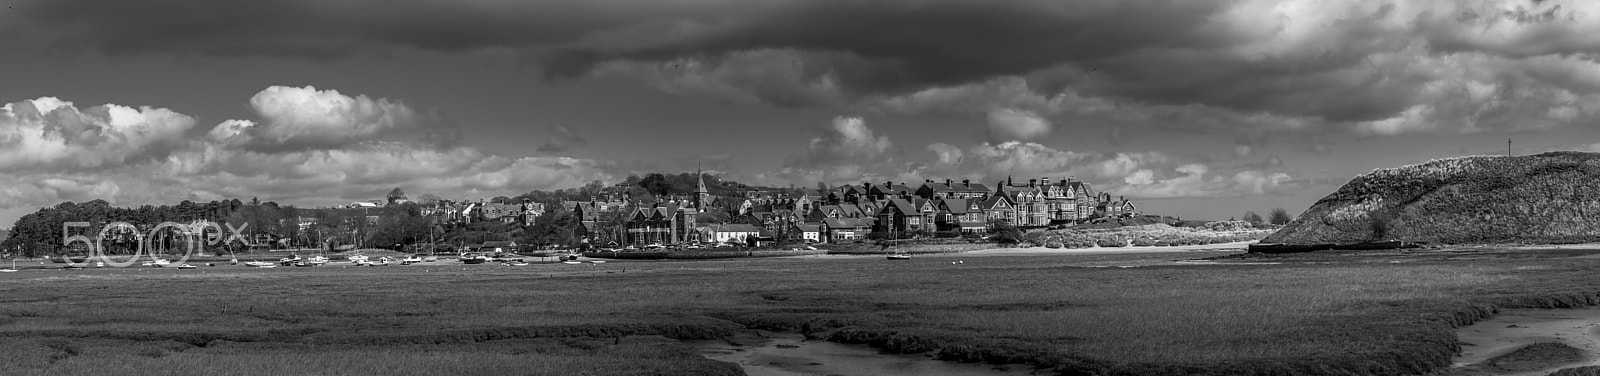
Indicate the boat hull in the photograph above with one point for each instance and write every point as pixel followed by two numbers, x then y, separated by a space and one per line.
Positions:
pixel 1272 248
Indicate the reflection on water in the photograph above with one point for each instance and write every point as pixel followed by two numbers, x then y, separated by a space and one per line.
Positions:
pixel 791 354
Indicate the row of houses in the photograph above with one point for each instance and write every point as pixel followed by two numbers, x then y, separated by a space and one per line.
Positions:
pixel 850 212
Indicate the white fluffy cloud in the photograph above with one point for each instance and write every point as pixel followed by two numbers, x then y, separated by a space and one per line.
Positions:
pixel 307 118
pixel 310 147
pixel 49 134
pixel 845 140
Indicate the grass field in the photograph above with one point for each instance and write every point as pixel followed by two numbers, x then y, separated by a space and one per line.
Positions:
pixel 1315 314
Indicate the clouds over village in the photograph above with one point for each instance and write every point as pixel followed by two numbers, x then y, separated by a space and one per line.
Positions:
pixel 308 145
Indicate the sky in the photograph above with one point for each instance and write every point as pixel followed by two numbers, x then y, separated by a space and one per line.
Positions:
pixel 1194 108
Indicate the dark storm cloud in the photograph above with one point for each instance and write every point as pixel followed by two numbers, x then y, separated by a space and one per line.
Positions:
pixel 560 138
pixel 324 29
pixel 1378 67
pixel 871 46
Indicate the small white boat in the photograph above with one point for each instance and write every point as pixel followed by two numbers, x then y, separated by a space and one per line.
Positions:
pixel 473 259
pixel 358 259
pixel 160 263
pixel 430 259
pixel 571 262
pixel 186 266
pixel 517 264
pixel 259 264
pixel 597 261
pixel 410 260
pixel 899 257
pixel 317 260
pixel 13 267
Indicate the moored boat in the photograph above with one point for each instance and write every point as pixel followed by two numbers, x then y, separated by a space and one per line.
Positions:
pixel 259 264
pixel 898 256
pixel 186 266
pixel 1288 248
pixel 474 259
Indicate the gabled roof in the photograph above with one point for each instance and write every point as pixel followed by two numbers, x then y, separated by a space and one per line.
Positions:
pixel 870 208
pixel 994 201
pixel 954 205
pixel 888 189
pixel 810 227
pixel 902 205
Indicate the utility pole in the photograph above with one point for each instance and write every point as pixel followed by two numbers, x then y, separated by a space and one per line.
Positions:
pixel 1508 146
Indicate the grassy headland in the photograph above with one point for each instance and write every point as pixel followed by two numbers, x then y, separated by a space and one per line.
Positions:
pixel 1541 199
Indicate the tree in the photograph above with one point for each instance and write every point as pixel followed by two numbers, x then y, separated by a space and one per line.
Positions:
pixel 1252 217
pixel 1004 232
pixel 1279 216
pixel 396 195
pixel 656 184
pixel 1380 224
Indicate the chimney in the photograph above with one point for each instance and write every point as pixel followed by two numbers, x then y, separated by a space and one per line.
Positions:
pixel 966 183
pixel 1035 182
pixel 947 182
pixel 1046 181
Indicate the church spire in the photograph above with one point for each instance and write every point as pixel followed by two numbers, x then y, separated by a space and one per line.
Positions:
pixel 702 196
pixel 700 178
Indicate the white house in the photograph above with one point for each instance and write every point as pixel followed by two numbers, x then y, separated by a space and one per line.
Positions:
pixel 729 233
pixel 811 233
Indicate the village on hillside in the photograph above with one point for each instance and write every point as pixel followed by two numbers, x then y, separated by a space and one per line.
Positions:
pixel 657 210
pixel 870 210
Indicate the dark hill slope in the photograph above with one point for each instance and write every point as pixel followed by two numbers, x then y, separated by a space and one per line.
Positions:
pixel 1546 198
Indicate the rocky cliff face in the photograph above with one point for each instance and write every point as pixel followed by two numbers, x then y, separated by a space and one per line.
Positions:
pixel 1545 198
